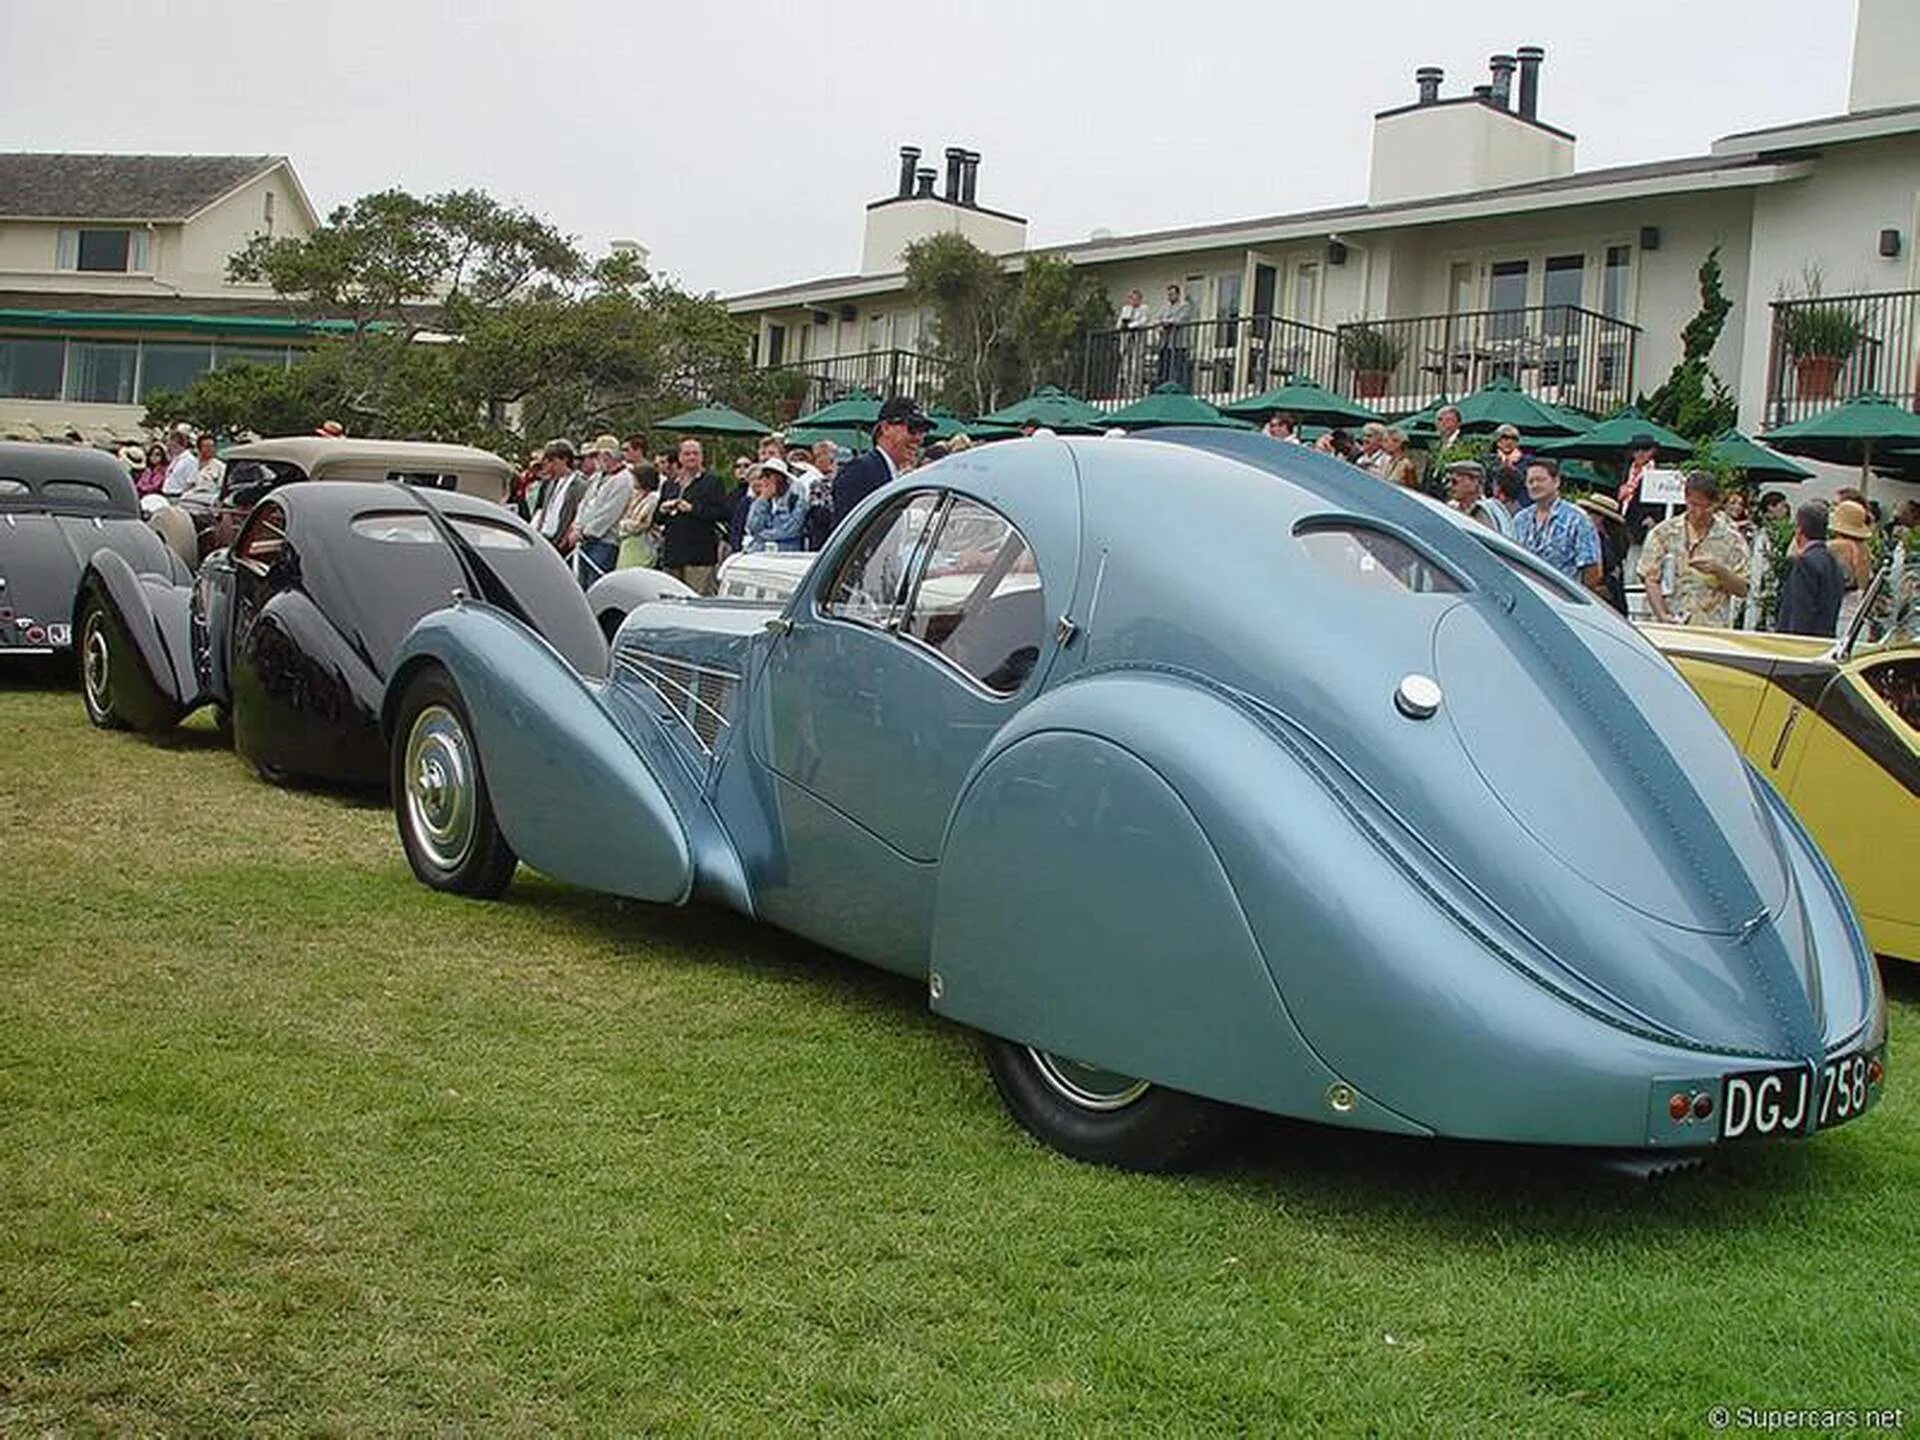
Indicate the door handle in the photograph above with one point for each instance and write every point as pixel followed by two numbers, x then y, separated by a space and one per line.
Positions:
pixel 780 625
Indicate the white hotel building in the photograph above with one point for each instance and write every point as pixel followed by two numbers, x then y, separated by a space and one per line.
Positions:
pixel 1482 249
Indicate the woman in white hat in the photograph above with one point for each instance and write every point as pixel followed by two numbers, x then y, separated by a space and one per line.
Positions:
pixel 1849 528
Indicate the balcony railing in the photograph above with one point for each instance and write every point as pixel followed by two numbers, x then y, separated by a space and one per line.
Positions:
pixel 1834 347
pixel 1561 354
pixel 877 372
pixel 1218 360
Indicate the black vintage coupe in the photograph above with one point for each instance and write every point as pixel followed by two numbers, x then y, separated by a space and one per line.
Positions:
pixel 289 631
pixel 58 505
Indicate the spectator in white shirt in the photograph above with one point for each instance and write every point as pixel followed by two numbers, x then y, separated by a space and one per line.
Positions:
pixel 183 465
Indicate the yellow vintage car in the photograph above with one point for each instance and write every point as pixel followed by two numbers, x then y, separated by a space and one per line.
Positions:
pixel 1836 727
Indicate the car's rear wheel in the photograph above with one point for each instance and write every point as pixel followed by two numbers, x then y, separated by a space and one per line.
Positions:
pixel 440 798
pixel 96 667
pixel 1097 1115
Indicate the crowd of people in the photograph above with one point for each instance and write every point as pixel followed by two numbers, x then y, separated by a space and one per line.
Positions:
pixel 1693 566
pixel 615 505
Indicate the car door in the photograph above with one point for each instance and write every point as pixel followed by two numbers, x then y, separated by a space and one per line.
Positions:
pixel 929 633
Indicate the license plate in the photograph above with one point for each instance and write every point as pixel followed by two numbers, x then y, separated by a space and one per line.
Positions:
pixel 1757 1104
pixel 58 635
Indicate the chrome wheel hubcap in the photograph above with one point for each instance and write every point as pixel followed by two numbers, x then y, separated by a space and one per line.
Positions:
pixel 94 667
pixel 443 791
pixel 1087 1086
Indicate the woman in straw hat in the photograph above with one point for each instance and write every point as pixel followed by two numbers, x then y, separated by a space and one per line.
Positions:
pixel 1604 511
pixel 1848 531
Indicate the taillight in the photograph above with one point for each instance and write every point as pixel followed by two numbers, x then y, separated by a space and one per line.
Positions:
pixel 1679 1107
pixel 1875 1072
pixel 36 635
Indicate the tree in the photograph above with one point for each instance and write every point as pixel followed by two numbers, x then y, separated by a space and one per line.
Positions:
pixel 970 296
pixel 445 317
pixel 239 398
pixel 1693 399
pixel 1001 333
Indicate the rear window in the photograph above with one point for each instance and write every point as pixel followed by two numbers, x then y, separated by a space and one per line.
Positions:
pixel 1375 558
pixel 398 527
pixel 425 479
pixel 75 492
pixel 489 534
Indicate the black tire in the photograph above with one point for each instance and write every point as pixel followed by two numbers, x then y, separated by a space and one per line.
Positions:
pixel 95 656
pixel 440 798
pixel 1107 1119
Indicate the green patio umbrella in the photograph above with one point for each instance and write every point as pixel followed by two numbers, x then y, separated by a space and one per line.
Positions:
pixel 1314 405
pixel 855 437
pixel 1613 438
pixel 1501 402
pixel 946 425
pixel 1756 462
pixel 1053 408
pixel 714 420
pixel 1849 434
pixel 855 408
pixel 1172 404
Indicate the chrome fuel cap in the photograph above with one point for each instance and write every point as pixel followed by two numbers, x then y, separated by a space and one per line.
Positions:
pixel 1417 697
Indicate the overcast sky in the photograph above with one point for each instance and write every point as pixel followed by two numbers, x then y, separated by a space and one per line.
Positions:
pixel 740 141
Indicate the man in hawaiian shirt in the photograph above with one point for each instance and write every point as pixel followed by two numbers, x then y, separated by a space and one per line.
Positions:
pixel 1557 530
pixel 1694 565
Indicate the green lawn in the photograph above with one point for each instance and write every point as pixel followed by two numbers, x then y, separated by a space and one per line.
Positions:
pixel 290 1144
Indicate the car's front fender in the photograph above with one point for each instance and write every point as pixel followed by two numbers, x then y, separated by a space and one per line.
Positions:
pixel 572 794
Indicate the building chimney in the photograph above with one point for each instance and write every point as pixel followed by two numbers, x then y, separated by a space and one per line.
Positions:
pixel 954 156
pixel 969 176
pixel 1530 57
pixel 1484 94
pixel 923 182
pixel 1428 78
pixel 1502 68
pixel 909 157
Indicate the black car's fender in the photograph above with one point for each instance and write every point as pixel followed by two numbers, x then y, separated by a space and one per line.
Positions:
pixel 305 700
pixel 147 632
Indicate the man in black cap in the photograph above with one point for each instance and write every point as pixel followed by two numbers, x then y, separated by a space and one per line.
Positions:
pixel 896 447
pixel 1638 514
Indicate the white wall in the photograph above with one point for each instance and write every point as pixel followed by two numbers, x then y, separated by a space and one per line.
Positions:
pixel 197 258
pixel 896 224
pixel 1453 149
pixel 1831 220
pixel 1886 44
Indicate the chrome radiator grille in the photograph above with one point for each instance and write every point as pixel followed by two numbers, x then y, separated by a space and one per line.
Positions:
pixel 698 696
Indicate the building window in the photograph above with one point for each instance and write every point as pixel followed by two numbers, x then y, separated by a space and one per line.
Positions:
pixel 876 332
pixel 104 252
pixel 101 372
pixel 172 366
pixel 274 357
pixel 1507 298
pixel 776 345
pixel 1306 292
pixel 30 367
pixel 266 211
pixel 1613 281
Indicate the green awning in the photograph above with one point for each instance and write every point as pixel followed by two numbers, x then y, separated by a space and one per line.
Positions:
pixel 1501 402
pixel 858 408
pixel 1851 434
pixel 252 326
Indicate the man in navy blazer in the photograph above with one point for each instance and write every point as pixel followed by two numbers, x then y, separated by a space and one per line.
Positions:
pixel 896 447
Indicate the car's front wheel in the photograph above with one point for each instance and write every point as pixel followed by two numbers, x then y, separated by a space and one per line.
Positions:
pixel 440 798
pixel 1094 1114
pixel 96 667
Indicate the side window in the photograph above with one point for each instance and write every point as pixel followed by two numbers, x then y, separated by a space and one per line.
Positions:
pixel 871 582
pixel 264 539
pixel 979 602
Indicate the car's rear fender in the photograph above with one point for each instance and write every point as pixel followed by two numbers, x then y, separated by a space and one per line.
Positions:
pixel 305 700
pixel 1140 876
pixel 150 639
pixel 573 795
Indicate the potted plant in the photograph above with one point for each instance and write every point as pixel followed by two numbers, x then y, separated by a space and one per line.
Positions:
pixel 1372 355
pixel 1821 339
